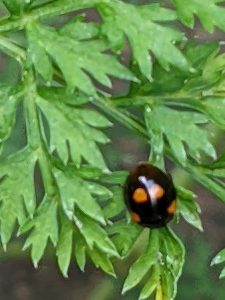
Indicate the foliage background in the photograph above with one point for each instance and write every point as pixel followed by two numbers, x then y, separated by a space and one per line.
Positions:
pixel 198 281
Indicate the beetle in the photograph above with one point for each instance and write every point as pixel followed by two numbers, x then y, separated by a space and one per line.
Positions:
pixel 150 196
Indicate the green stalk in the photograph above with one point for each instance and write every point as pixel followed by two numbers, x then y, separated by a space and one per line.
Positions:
pixel 171 99
pixel 121 116
pixel 52 9
pixel 195 101
pixel 35 140
pixel 11 49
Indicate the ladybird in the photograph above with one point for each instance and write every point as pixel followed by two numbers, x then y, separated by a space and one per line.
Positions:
pixel 150 196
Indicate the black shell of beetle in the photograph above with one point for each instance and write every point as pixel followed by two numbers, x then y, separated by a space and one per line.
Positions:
pixel 154 212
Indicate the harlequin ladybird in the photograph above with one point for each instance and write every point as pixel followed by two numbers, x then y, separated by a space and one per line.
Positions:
pixel 150 196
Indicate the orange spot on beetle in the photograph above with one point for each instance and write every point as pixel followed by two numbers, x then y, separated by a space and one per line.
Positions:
pixel 140 195
pixel 171 209
pixel 156 192
pixel 135 217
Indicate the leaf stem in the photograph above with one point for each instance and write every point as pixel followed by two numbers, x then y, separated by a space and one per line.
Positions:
pixel 159 294
pixel 34 134
pixel 194 101
pixel 11 49
pixel 121 116
pixel 12 24
pixel 51 9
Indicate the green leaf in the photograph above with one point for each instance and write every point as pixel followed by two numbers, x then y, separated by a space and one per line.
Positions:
pixel 8 107
pixel 189 208
pixel 144 28
pixel 38 57
pixel 94 234
pixel 180 127
pixel 150 285
pixel 63 95
pixel 173 256
pixel 215 109
pixel 213 73
pixel 80 250
pixel 214 66
pixel 218 259
pixel 92 118
pixel 73 56
pixel 167 281
pixel 222 274
pixel 66 125
pixel 116 177
pixel 101 261
pixel 77 29
pixel 65 244
pixel 163 260
pixel 141 266
pixel 13 6
pixel 174 251
pixel 73 191
pixel 175 84
pixel 116 204
pixel 120 237
pixel 16 171
pixel 44 226
pixel 200 54
pixel 88 172
pixel 209 13
pixel 99 190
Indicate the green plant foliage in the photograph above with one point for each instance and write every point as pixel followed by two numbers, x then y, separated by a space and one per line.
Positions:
pixel 176 86
pixel 209 13
pixel 189 208
pixel 44 227
pixel 163 120
pixel 65 244
pixel 164 258
pixel 43 41
pixel 141 25
pixel 218 259
pixel 77 123
pixel 13 6
pixel 16 171
pixel 8 106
